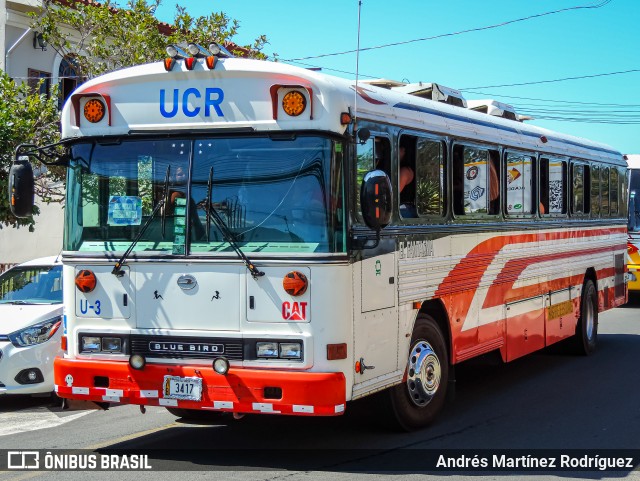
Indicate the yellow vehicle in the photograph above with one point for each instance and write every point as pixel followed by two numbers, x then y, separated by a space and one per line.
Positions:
pixel 633 242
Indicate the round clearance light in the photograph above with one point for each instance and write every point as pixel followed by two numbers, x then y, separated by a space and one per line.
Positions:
pixel 295 283
pixel 137 362
pixel 221 365
pixel 294 103
pixel 86 281
pixel 94 110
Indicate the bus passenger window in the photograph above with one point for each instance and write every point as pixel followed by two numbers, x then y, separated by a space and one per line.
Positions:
pixel 476 181
pixel 406 176
pixel 577 185
pixel 429 182
pixel 519 170
pixel 553 186
pixel 494 182
pixel 595 191
pixel 604 191
pixel 615 185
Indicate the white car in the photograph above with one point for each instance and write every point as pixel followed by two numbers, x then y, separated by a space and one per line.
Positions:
pixel 30 326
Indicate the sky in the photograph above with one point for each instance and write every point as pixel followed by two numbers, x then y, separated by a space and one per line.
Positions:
pixel 601 45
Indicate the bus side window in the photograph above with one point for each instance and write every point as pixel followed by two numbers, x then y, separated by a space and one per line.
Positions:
pixel 375 153
pixel 407 176
pixel 494 182
pixel 519 169
pixel 430 177
pixel 595 191
pixel 553 186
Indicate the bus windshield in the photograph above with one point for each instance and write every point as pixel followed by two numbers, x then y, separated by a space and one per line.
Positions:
pixel 274 195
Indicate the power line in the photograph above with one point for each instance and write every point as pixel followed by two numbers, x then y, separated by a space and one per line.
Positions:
pixel 554 80
pixel 489 94
pixel 477 29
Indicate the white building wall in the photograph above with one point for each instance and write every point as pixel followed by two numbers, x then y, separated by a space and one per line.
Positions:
pixel 19 245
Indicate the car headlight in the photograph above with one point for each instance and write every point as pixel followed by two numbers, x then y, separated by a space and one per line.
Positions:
pixel 36 334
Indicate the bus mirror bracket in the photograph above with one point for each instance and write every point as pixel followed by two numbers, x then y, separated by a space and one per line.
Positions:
pixel 376 200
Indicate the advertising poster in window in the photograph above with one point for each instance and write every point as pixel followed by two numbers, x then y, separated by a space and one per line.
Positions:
pixel 519 173
pixel 475 182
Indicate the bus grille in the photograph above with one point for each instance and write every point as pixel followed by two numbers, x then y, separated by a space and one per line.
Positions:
pixel 171 347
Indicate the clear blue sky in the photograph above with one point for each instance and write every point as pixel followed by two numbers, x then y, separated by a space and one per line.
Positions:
pixel 571 43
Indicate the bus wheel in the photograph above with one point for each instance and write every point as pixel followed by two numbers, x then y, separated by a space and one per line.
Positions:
pixel 587 328
pixel 416 402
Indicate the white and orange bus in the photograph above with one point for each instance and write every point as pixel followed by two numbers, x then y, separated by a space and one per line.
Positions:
pixel 239 243
pixel 633 242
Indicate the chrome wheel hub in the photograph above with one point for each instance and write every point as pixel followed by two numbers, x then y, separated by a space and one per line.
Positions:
pixel 589 319
pixel 424 373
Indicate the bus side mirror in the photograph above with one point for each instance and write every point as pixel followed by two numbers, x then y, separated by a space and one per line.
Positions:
pixel 21 188
pixel 376 199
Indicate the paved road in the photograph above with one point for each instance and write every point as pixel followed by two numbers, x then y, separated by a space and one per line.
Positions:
pixel 546 400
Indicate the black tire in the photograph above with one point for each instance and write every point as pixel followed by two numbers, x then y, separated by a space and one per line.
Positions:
pixel 194 414
pixel 416 403
pixel 586 336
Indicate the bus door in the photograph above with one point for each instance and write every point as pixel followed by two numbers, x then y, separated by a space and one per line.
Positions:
pixel 376 312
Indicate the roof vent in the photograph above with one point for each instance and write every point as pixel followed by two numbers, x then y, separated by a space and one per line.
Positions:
pixel 433 91
pixel 383 83
pixel 497 109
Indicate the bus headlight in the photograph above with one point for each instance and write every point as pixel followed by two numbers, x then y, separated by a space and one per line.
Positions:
pixel 267 349
pixel 137 362
pixel 90 344
pixel 221 366
pixel 290 350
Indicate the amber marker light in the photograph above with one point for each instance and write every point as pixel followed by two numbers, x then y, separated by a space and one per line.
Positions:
pixel 345 118
pixel 211 62
pixel 86 281
pixel 94 110
pixel 295 283
pixel 169 63
pixel 63 343
pixel 294 103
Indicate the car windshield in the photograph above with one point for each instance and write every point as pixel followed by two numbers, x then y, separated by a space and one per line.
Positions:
pixel 274 195
pixel 31 285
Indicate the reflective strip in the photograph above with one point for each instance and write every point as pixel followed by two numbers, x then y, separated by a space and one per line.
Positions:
pixel 55 388
pixel 222 405
pixel 149 394
pixel 167 402
pixel 79 390
pixel 263 407
pixel 111 399
pixel 114 392
pixel 302 409
pixel 340 408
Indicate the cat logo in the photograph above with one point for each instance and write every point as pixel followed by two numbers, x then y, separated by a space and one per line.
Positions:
pixel 294 311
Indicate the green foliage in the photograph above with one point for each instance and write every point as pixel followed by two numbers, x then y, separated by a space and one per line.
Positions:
pixel 105 37
pixel 25 117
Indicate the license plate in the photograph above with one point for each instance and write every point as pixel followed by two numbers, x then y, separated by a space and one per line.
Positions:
pixel 187 388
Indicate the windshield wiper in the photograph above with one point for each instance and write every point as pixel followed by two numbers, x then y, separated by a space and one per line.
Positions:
pixel 22 303
pixel 212 214
pixel 117 271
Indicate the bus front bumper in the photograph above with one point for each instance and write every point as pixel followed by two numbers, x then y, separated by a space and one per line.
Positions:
pixel 240 390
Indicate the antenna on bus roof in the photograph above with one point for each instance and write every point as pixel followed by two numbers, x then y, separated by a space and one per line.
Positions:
pixel 355 93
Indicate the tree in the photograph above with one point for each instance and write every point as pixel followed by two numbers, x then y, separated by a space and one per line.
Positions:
pixel 25 117
pixel 102 37
pixel 96 38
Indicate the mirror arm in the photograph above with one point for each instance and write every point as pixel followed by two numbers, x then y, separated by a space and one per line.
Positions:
pixel 47 154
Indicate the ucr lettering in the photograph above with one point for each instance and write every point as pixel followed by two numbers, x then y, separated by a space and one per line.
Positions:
pixel 191 97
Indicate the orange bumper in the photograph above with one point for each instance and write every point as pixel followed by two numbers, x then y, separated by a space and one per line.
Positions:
pixel 241 390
